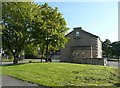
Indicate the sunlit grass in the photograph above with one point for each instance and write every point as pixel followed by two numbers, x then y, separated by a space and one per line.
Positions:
pixel 64 74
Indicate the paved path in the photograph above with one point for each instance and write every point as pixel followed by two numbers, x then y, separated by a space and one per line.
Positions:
pixel 113 64
pixel 9 81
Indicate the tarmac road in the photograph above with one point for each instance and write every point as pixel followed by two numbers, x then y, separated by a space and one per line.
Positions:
pixel 113 64
pixel 9 81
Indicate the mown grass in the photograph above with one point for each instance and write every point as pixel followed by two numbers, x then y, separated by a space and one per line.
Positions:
pixel 64 74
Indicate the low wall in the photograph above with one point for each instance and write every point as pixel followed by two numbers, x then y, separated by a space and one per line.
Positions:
pixel 94 61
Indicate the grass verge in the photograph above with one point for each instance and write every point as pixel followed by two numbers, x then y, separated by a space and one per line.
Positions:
pixel 64 74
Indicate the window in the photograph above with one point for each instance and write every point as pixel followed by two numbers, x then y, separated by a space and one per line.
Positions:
pixel 77 34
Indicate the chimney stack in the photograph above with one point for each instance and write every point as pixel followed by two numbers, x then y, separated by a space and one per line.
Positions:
pixel 77 28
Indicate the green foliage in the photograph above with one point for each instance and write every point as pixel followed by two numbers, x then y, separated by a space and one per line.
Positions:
pixel 64 74
pixel 26 23
pixel 6 60
pixel 31 49
pixel 111 49
pixel 116 49
pixel 107 50
pixel 17 18
pixel 50 29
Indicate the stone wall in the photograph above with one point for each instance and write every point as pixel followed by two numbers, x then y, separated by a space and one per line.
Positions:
pixel 99 48
pixel 91 53
pixel 84 40
pixel 94 61
pixel 65 54
pixel 81 52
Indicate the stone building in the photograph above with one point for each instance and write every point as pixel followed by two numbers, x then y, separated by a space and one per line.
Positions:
pixel 82 47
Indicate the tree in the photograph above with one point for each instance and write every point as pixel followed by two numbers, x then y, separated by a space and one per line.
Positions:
pixel 31 50
pixel 50 29
pixel 116 49
pixel 25 23
pixel 17 18
pixel 107 50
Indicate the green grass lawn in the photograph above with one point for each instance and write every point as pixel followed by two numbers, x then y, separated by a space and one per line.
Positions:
pixel 64 74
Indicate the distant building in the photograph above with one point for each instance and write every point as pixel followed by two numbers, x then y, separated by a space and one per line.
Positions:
pixel 82 47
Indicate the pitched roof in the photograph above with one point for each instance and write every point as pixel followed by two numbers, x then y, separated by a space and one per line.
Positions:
pixel 80 28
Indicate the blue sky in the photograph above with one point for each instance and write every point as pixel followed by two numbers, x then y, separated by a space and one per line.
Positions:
pixel 99 18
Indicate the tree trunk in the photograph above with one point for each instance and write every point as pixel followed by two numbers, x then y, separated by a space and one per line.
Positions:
pixel 118 58
pixel 42 51
pixel 15 61
pixel 47 53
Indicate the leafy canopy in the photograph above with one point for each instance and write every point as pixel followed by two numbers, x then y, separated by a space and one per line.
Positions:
pixel 25 23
